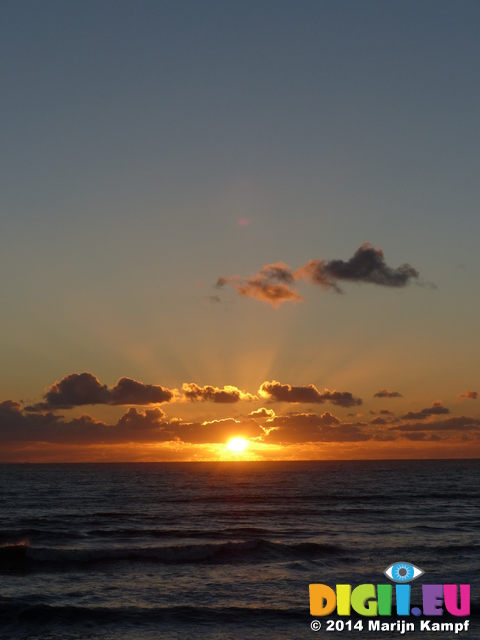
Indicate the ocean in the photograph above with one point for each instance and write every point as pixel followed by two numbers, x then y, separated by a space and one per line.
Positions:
pixel 224 550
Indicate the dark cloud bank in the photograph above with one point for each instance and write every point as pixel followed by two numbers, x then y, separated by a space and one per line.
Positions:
pixel 153 426
pixel 41 423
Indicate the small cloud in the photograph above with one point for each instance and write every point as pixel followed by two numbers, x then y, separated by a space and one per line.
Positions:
pixel 469 395
pixel 273 294
pixel 263 413
pixel 367 265
pixel 10 407
pixel 228 395
pixel 270 285
pixel 221 282
pixel 457 423
pixel 415 436
pixel 385 437
pixel 297 428
pixel 79 389
pixel 436 409
pixel 277 392
pixel 385 393
pixel 243 222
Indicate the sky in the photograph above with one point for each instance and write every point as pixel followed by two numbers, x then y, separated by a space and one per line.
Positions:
pixel 239 219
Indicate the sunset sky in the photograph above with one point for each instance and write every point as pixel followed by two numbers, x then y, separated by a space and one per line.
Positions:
pixel 254 219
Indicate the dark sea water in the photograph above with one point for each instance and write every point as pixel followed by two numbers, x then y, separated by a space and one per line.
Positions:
pixel 223 550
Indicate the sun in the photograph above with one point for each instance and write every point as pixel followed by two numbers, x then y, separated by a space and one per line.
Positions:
pixel 237 445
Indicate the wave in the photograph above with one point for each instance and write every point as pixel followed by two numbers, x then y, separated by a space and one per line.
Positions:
pixel 257 550
pixel 15 612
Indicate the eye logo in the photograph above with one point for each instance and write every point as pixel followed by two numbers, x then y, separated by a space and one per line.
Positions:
pixel 372 600
pixel 403 572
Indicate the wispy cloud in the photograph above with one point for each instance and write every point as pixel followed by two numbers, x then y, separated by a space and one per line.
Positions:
pixel 271 285
pixel 385 393
pixel 469 395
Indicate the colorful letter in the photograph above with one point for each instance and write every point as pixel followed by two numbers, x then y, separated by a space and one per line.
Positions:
pixel 322 600
pixel 402 593
pixel 451 602
pixel 360 595
pixel 343 599
pixel 432 599
pixel 384 595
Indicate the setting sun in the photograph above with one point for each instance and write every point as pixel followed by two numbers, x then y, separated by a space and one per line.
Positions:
pixel 237 445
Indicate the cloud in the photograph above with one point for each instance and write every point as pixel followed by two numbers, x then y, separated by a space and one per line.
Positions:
pixel 436 409
pixel 228 395
pixel 10 407
pixel 421 437
pixel 385 393
pixel 457 423
pixel 299 428
pixel 270 285
pixel 273 283
pixel 469 395
pixel 415 436
pixel 152 426
pixel 385 437
pixel 367 265
pixel 263 413
pixel 273 294
pixel 79 389
pixel 276 392
pixel 216 431
pixel 148 426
